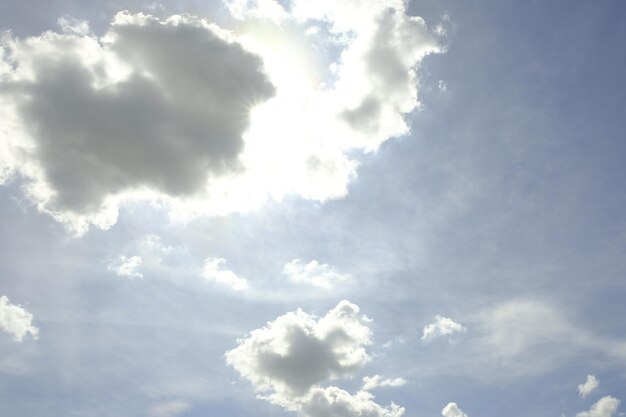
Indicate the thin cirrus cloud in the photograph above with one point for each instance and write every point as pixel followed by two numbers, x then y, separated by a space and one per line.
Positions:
pixel 170 408
pixel 441 327
pixel 201 119
pixel 589 386
pixel 313 273
pixel 16 320
pixel 288 360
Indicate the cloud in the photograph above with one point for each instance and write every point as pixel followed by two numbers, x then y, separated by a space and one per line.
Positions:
pixel 530 336
pixel 203 120
pixel 442 326
pixel 605 407
pixel 369 383
pixel 589 386
pixel 126 267
pixel 16 321
pixel 154 106
pixel 290 357
pixel 313 273
pixel 170 408
pixel 213 271
pixel 295 351
pixel 335 402
pixel 452 410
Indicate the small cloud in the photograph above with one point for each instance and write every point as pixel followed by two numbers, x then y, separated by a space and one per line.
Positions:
pixel 213 271
pixel 16 321
pixel 313 273
pixel 443 87
pixel 605 407
pixel 442 326
pixel 369 383
pixel 589 386
pixel 73 26
pixel 170 408
pixel 452 410
pixel 126 267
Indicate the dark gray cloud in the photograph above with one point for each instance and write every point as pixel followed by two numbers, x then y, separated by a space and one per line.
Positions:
pixel 156 105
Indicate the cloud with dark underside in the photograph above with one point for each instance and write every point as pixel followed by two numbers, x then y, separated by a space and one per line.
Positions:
pixel 201 119
pixel 154 104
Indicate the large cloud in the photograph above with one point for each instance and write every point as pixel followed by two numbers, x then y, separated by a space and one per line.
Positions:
pixel 16 321
pixel 153 105
pixel 290 357
pixel 201 119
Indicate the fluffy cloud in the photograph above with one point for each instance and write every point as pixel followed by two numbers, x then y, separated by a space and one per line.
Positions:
pixel 313 273
pixel 452 410
pixel 126 267
pixel 369 383
pixel 295 351
pixel 605 407
pixel 153 106
pixel 442 326
pixel 213 271
pixel 16 321
pixel 290 357
pixel 335 402
pixel 203 120
pixel 589 386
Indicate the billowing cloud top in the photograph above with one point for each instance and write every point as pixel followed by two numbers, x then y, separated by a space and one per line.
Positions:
pixel 295 351
pixel 202 119
pixel 291 356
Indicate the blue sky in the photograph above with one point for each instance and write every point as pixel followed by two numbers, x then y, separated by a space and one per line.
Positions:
pixel 458 180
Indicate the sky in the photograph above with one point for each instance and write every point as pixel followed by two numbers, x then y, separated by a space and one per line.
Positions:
pixel 271 208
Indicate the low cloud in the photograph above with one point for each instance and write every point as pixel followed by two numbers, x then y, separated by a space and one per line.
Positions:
pixel 313 273
pixel 126 267
pixel 214 271
pixel 441 327
pixel 605 407
pixel 370 383
pixel 288 360
pixel 203 120
pixel 589 386
pixel 452 410
pixel 16 321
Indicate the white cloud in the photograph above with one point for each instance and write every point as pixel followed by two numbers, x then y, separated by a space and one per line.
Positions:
pixel 452 410
pixel 589 386
pixel 126 267
pixel 203 120
pixel 335 402
pixel 290 357
pixel 213 271
pixel 442 326
pixel 605 407
pixel 16 321
pixel 313 273
pixel 170 408
pixel 370 383
pixel 443 87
